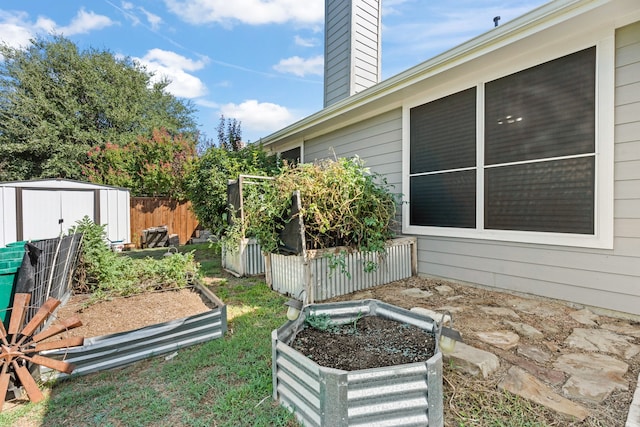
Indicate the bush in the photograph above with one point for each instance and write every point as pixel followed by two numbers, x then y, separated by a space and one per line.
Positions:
pixel 105 274
pixel 206 181
pixel 343 204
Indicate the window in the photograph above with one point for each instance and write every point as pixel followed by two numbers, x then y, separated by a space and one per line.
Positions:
pixel 509 157
pixel 292 156
pixel 443 162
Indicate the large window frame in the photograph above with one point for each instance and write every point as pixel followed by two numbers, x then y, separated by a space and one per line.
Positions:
pixel 602 236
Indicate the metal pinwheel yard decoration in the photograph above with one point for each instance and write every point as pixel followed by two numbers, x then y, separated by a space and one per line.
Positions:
pixel 19 346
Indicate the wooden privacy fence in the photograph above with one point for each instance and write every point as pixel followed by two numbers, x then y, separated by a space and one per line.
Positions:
pixel 149 212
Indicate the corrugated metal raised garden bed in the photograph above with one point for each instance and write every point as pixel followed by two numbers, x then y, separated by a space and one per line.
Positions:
pixel 407 394
pixel 245 260
pixel 327 273
pixel 123 348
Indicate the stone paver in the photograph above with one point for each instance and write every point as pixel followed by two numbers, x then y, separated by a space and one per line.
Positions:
pixel 602 341
pixel 624 329
pixel 602 366
pixel 519 382
pixel 445 290
pixel 473 360
pixel 416 293
pixel 505 340
pixel 550 376
pixel 499 311
pixel 585 317
pixel 593 389
pixel 534 353
pixel 432 314
pixel 525 330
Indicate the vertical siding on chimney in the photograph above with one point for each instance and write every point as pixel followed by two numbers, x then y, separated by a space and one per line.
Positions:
pixel 352 47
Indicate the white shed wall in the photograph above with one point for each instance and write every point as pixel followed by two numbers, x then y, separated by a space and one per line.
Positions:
pixel 42 203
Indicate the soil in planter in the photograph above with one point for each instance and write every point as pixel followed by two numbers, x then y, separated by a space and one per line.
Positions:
pixel 374 342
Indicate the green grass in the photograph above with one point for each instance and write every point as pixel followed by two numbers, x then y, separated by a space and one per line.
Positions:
pixel 224 382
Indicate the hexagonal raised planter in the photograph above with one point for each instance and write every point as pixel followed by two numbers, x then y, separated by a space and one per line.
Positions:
pixel 407 395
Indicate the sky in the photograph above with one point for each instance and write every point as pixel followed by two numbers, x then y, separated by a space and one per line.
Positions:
pixel 257 61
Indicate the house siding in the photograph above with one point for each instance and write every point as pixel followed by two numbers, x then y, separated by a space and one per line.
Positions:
pixel 596 277
pixel 378 141
pixel 352 48
pixel 605 278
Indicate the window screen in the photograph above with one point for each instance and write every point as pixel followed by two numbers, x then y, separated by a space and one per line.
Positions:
pixel 443 133
pixel 291 156
pixel 542 112
pixel 444 200
pixel 553 196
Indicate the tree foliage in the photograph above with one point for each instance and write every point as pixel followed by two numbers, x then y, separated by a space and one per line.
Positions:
pixel 229 134
pixel 153 166
pixel 206 182
pixel 57 103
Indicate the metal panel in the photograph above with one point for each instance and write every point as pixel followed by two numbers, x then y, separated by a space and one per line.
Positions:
pixel 291 274
pixel 121 349
pixel 247 260
pixel 407 395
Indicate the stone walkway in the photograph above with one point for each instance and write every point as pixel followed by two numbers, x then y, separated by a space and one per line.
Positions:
pixel 591 363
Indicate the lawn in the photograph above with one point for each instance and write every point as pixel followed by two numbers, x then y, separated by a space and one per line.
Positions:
pixel 224 382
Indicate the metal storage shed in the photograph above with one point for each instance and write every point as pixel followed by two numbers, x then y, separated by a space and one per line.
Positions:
pixel 42 209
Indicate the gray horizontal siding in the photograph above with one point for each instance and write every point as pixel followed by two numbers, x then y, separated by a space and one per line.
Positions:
pixel 606 278
pixel 378 141
pixel 602 278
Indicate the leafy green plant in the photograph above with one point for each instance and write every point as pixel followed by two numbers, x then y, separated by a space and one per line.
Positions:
pixel 206 181
pixel 105 274
pixel 322 322
pixel 342 204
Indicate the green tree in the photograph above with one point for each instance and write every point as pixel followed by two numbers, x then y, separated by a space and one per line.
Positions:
pixel 57 103
pixel 206 181
pixel 148 166
pixel 230 134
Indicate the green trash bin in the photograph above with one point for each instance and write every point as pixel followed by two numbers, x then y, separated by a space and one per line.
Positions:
pixel 7 283
pixel 18 244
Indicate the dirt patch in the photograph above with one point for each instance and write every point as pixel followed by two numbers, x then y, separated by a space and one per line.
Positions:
pixel 370 342
pixel 125 314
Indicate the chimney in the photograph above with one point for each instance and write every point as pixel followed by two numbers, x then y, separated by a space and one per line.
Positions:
pixel 352 47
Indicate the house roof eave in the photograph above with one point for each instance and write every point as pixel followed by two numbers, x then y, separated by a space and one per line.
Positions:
pixel 371 100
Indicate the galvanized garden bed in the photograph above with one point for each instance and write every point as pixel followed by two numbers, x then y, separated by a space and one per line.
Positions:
pixel 407 395
pixel 124 348
pixel 327 273
pixel 246 260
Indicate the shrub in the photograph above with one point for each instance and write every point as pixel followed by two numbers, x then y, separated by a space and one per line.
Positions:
pixel 343 204
pixel 206 181
pixel 105 274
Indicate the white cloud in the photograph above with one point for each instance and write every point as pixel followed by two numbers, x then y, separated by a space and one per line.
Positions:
pixel 169 65
pixel 258 117
pixel 301 67
pixel 16 29
pixel 253 12
pixel 311 42
pixel 154 20
pixel 85 22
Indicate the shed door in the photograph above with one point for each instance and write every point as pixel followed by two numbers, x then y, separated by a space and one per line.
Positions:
pixel 42 210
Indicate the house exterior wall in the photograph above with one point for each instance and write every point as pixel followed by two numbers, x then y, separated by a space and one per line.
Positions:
pixel 607 278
